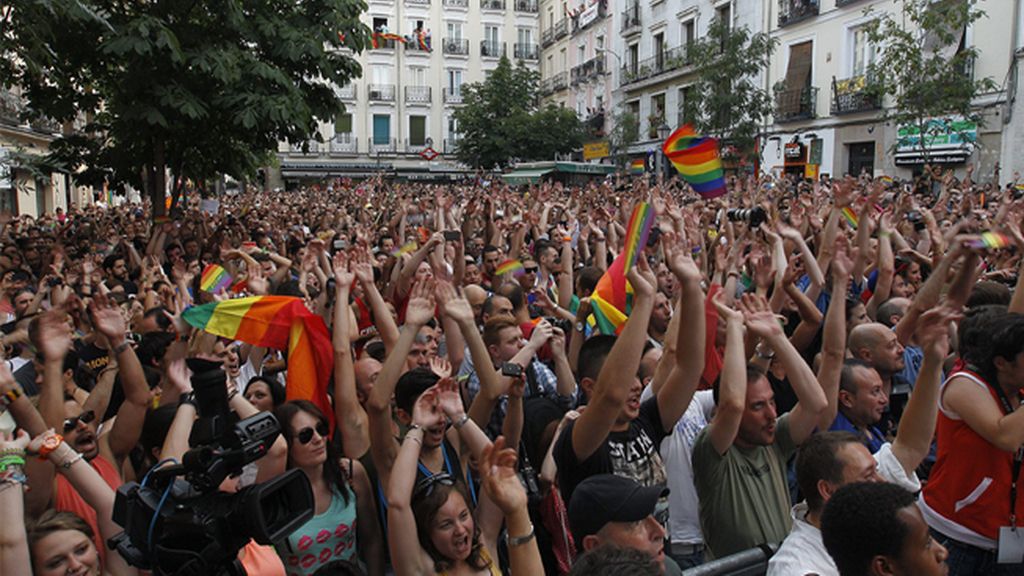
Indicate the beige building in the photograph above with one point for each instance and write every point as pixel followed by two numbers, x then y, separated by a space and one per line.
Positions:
pixel 824 122
pixel 404 103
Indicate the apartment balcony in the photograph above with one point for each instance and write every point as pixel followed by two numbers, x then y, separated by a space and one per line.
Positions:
pixel 450 144
pixel 452 96
pixel 667 61
pixel 526 51
pixel 345 143
pixel 560 81
pixel 381 92
pixel 587 18
pixel 45 125
pixel 413 45
pixel 561 28
pixel 851 95
pixel 492 4
pixel 491 49
pixel 382 43
pixel 547 37
pixel 11 107
pixel 528 6
pixel 417 94
pixel 417 2
pixel 589 70
pixel 347 92
pixel 456 3
pixel 456 46
pixel 793 11
pixel 411 148
pixel 387 146
pixel 631 20
pixel 312 148
pixel 796 104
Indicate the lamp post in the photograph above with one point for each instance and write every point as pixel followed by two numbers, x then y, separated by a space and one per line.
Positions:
pixel 663 132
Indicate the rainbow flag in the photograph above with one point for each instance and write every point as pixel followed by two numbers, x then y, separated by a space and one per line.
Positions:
pixel 282 323
pixel 422 41
pixel 509 267
pixel 696 159
pixel 851 217
pixel 407 248
pixel 214 279
pixel 637 166
pixel 991 240
pixel 612 298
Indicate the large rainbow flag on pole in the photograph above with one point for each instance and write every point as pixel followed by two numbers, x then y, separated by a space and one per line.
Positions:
pixel 282 323
pixel 696 159
pixel 612 298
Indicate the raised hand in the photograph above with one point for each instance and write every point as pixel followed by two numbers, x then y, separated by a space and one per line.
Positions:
pixel 448 397
pixel 54 334
pixel 256 280
pixel 420 308
pixel 440 366
pixel 933 329
pixel 107 318
pixel 361 267
pixel 14 443
pixel 679 258
pixel 724 311
pixel 499 477
pixel 425 412
pixel 642 278
pixel 342 275
pixel 453 304
pixel 758 317
pixel 542 332
pixel 842 261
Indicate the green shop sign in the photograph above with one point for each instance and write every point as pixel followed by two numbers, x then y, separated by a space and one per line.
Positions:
pixel 939 134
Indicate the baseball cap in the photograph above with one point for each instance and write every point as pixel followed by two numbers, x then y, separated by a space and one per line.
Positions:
pixel 605 498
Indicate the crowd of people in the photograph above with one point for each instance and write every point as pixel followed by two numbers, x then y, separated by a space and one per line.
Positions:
pixel 829 370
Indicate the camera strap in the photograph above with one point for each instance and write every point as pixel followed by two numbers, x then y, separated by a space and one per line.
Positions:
pixel 1018 456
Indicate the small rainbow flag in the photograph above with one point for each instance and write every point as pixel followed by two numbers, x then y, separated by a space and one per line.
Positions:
pixel 637 166
pixel 851 217
pixel 887 180
pixel 509 267
pixel 422 40
pixel 407 248
pixel 639 229
pixel 696 159
pixel 214 279
pixel 992 240
pixel 282 323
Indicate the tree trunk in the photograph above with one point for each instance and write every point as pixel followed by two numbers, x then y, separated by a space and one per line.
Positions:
pixel 156 180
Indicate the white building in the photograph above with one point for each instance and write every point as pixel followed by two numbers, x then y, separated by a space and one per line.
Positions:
pixel 825 123
pixel 404 103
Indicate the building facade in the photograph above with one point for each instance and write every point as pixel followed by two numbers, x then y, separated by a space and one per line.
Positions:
pixel 399 116
pixel 826 123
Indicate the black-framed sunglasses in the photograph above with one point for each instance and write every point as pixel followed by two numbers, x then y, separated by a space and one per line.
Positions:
pixel 306 434
pixel 425 487
pixel 530 270
pixel 85 417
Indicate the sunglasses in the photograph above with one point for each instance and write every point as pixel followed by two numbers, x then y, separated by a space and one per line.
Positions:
pixel 530 270
pixel 306 434
pixel 425 487
pixel 85 417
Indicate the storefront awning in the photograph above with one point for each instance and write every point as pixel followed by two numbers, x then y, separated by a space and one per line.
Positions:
pixel 525 176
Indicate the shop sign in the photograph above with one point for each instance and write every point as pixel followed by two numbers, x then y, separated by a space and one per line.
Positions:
pixel 952 133
pixel 794 152
pixel 594 150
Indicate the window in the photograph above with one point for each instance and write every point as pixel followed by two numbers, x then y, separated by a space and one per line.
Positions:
pixel 798 72
pixel 455 30
pixel 659 49
pixel 599 43
pixel 581 53
pixel 381 75
pixel 491 35
pixel 417 130
pixel 524 36
pixel 455 82
pixel 634 57
pixel 417 76
pixel 687 106
pixel 689 32
pixel 381 25
pixel 417 25
pixel 565 62
pixel 863 52
pixel 551 18
pixel 453 126
pixel 381 129
pixel 724 14
pixel 343 123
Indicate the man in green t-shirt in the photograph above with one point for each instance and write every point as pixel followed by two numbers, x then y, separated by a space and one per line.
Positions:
pixel 739 459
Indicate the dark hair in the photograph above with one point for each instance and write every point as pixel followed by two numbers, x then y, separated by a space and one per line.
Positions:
pixel 847 377
pixel 862 521
pixel 162 321
pixel 592 355
pixel 488 307
pixel 490 248
pixel 988 292
pixel 587 278
pixel 424 510
pixel 610 560
pixel 110 261
pixel 340 568
pixel 976 332
pixel 754 373
pixel 1007 341
pixel 277 394
pixel 411 385
pixel 154 432
pixel 153 347
pixel 333 474
pixel 540 247
pixel 818 459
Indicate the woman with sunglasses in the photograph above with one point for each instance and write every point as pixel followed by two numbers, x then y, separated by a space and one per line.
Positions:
pixel 431 528
pixel 341 491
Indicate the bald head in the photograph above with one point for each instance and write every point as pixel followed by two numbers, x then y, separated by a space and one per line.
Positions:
pixel 865 337
pixel 476 297
pixel 877 345
pixel 892 310
pixel 366 370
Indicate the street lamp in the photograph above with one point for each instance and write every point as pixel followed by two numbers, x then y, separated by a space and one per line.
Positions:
pixel 663 132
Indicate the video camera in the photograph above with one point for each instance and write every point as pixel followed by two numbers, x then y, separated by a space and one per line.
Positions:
pixel 752 216
pixel 178 522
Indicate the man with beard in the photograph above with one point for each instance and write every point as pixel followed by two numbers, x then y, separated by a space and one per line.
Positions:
pixel 116 268
pixel 78 423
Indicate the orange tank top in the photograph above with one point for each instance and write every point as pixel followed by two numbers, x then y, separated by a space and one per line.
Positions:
pixel 67 498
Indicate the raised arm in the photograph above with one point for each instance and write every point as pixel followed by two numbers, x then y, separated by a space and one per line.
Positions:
pixel 349 413
pixel 15 559
pixel 886 267
pixel 613 382
pixel 691 335
pixel 501 485
pixel 833 347
pixel 732 390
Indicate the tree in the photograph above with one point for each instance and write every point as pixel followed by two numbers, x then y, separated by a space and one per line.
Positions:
pixel 727 100
pixel 199 88
pixel 625 131
pixel 925 67
pixel 501 119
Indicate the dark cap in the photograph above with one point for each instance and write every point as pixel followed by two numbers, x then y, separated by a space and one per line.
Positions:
pixel 605 498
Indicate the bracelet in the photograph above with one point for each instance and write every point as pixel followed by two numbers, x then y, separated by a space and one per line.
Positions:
pixel 732 273
pixel 519 540
pixel 67 464
pixel 566 238
pixel 9 397
pixel 462 422
pixel 12 452
pixel 10 460
pixel 13 477
pixel 122 347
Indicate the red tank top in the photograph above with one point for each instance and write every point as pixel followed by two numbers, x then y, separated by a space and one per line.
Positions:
pixel 67 499
pixel 968 492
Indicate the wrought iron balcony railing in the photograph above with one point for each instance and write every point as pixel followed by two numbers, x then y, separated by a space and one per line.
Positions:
pixel 796 104
pixel 851 95
pixel 381 92
pixel 457 46
pixel 492 49
pixel 526 51
pixel 793 11
pixel 417 94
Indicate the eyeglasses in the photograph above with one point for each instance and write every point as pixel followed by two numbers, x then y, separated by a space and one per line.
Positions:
pixel 530 270
pixel 425 487
pixel 85 417
pixel 306 434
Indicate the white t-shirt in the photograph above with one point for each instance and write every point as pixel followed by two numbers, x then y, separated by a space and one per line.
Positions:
pixel 676 452
pixel 803 552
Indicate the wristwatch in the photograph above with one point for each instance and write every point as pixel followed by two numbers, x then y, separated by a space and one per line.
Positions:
pixel 580 326
pixel 187 398
pixel 50 443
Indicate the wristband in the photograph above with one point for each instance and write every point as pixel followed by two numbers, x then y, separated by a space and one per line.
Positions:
pixel 10 460
pixel 9 397
pixel 461 422
pixel 122 347
pixel 519 540
pixel 13 477
pixel 187 398
pixel 67 464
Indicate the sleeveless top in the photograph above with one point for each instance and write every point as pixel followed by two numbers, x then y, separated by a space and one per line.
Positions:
pixel 67 498
pixel 968 493
pixel 324 538
pixel 492 567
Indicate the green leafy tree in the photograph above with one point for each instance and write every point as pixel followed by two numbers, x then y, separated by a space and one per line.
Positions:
pixel 728 101
pixel 925 67
pixel 196 88
pixel 625 131
pixel 501 120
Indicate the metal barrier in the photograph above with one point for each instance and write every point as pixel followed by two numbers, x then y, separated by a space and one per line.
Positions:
pixel 753 562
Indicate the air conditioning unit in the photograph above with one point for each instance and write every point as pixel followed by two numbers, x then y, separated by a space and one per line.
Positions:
pixel 376 95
